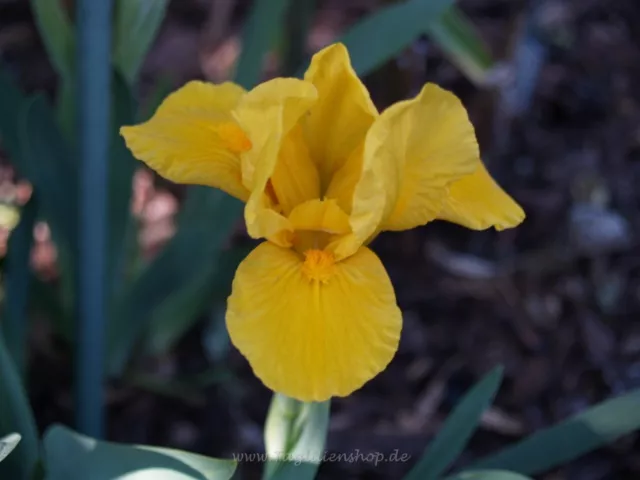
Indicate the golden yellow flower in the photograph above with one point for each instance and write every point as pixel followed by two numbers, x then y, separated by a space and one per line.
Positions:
pixel 322 173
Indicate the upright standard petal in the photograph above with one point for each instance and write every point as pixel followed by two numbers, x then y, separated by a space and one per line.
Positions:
pixel 338 122
pixel 268 113
pixel 311 328
pixel 359 188
pixel 477 202
pixel 422 145
pixel 193 139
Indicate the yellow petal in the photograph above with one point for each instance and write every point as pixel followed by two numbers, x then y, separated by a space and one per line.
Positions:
pixel 477 202
pixel 295 177
pixel 313 338
pixel 193 139
pixel 338 122
pixel 268 113
pixel 422 145
pixel 359 188
pixel 320 215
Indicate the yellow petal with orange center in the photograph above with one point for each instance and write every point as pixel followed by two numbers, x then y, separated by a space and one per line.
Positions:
pixel 193 138
pixel 338 122
pixel 422 145
pixel 268 113
pixel 477 202
pixel 312 328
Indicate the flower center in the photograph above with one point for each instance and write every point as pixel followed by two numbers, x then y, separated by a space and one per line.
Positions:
pixel 233 137
pixel 319 265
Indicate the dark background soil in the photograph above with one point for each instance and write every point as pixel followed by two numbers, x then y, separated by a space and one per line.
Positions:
pixel 556 301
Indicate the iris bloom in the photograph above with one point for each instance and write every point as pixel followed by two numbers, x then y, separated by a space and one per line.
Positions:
pixel 322 173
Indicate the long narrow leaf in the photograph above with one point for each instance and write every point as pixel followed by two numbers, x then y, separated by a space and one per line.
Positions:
pixel 122 165
pixel 457 430
pixel 456 35
pixel 562 443
pixel 12 101
pixel 15 321
pixel 488 475
pixel 136 25
pixel 16 416
pixel 295 436
pixel 385 33
pixel 205 223
pixel 50 169
pixel 265 19
pixel 57 34
pixel 8 443
pixel 71 456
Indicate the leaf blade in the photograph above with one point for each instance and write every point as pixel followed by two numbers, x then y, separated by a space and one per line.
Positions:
pixel 385 33
pixel 71 456
pixel 569 439
pixel 456 35
pixel 57 35
pixel 136 25
pixel 458 429
pixel 16 416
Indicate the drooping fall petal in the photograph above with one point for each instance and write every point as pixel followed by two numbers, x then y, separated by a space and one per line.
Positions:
pixel 193 139
pixel 311 328
pixel 477 202
pixel 421 145
pixel 338 122
pixel 268 113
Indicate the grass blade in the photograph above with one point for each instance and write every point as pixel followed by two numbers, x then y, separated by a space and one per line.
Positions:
pixel 456 35
pixel 57 35
pixel 488 475
pixel 50 168
pixel 265 20
pixel 71 456
pixel 122 165
pixel 136 25
pixel 8 444
pixel 15 320
pixel 457 430
pixel 570 439
pixel 16 416
pixel 12 102
pixel 295 435
pixel 385 33
pixel 192 254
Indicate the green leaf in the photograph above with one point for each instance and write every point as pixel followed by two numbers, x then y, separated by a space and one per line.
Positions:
pixel 488 475
pixel 385 33
pixel 50 169
pixel 179 312
pixel 554 446
pixel 459 39
pixel 457 430
pixel 204 226
pixel 12 101
pixel 136 25
pixel 121 169
pixel 71 456
pixel 8 444
pixel 57 35
pixel 265 20
pixel 295 435
pixel 16 416
pixel 15 321
pixel 299 19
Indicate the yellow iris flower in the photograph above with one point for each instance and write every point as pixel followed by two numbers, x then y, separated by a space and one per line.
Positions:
pixel 322 173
